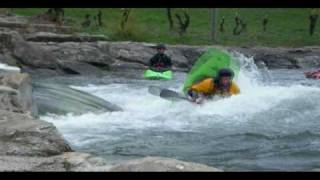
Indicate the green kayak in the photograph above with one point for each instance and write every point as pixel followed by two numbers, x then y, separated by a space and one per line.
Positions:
pixel 208 64
pixel 166 75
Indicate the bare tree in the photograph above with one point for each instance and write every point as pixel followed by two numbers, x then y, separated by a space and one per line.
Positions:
pixel 183 23
pixel 313 17
pixel 100 18
pixel 236 30
pixel 221 27
pixel 125 17
pixel 241 25
pixel 87 21
pixel 52 14
pixel 264 23
pixel 169 15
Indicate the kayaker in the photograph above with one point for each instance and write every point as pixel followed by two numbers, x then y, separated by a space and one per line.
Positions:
pixel 221 86
pixel 313 74
pixel 160 62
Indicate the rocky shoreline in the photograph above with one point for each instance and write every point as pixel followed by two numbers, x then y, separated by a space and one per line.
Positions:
pixel 30 144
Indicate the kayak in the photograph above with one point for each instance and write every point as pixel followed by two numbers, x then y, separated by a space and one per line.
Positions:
pixel 313 74
pixel 208 65
pixel 166 75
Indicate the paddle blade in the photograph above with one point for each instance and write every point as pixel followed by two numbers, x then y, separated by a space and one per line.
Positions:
pixel 171 95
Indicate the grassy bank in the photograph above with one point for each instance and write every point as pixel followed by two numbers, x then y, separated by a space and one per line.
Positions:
pixel 286 27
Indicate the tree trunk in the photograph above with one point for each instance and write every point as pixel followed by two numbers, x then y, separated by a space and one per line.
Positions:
pixel 170 18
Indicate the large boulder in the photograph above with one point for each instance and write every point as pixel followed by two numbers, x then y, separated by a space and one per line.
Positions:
pixel 160 164
pixel 33 55
pixel 16 94
pixel 21 135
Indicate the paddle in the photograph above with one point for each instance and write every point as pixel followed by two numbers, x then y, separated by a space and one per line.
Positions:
pixel 172 95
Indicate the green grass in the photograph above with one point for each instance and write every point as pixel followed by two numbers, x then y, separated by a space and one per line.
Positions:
pixel 286 27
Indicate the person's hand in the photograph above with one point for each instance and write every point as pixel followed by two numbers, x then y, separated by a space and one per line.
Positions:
pixel 199 100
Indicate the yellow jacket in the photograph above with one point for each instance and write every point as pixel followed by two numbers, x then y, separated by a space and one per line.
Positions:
pixel 207 87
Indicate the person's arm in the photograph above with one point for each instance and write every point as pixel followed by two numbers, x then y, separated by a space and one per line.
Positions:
pixel 169 61
pixel 197 91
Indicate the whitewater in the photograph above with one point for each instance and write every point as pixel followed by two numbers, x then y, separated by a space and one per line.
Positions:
pixel 274 124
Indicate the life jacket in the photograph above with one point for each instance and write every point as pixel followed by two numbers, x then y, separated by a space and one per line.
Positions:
pixel 208 87
pixel 160 61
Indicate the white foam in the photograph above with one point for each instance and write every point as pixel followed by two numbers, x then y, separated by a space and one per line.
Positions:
pixel 9 68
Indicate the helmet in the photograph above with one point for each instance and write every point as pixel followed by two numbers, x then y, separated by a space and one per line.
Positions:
pixel 225 73
pixel 161 46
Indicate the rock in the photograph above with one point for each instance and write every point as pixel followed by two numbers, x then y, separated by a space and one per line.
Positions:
pixel 288 58
pixel 82 162
pixel 72 161
pixel 53 37
pixel 160 164
pixel 4 59
pixel 20 135
pixel 76 161
pixel 8 65
pixel 309 61
pixel 41 72
pixel 8 38
pixel 84 52
pixel 80 68
pixel 120 65
pixel 16 94
pixel 34 55
pixel 34 164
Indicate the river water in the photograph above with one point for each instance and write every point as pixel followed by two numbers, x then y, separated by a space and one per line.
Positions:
pixel 274 124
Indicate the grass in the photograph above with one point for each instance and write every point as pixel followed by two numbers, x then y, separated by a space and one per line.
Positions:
pixel 286 27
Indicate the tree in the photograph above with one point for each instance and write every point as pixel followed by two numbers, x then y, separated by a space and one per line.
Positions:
pixel 221 27
pixel 264 23
pixel 183 23
pixel 86 22
pixel 169 15
pixel 125 17
pixel 52 14
pixel 313 17
pixel 100 18
pixel 241 26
